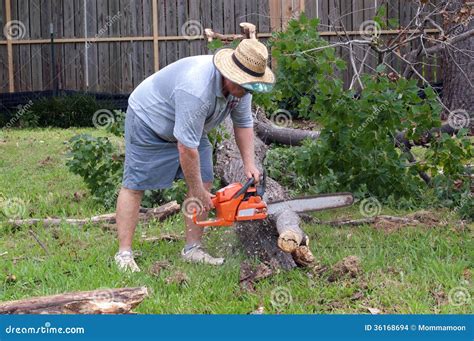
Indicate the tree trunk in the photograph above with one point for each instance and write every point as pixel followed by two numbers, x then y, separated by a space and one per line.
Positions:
pixel 103 301
pixel 278 240
pixel 458 78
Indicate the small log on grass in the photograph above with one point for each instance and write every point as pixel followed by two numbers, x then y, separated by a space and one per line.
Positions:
pixel 103 301
pixel 269 132
pixel 146 214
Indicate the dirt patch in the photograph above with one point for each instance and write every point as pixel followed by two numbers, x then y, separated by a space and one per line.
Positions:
pixel 45 162
pixel 250 274
pixel 347 267
pixel 467 274
pixel 156 267
pixel 78 196
pixel 440 297
pixel 178 277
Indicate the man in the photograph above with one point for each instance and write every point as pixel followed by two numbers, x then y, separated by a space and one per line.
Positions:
pixel 166 126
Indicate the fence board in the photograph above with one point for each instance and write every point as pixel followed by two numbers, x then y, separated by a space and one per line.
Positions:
pixel 102 48
pixel 4 86
pixel 183 45
pixel 148 58
pixel 163 47
pixel 46 66
pixel 115 53
pixel 92 48
pixel 119 66
pixel 171 30
pixel 229 19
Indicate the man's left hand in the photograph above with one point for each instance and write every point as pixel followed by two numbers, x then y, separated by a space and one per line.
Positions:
pixel 252 171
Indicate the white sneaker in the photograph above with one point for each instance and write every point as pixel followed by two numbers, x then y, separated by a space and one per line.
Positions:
pixel 125 261
pixel 198 255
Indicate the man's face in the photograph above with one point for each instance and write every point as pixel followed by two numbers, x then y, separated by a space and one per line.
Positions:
pixel 232 88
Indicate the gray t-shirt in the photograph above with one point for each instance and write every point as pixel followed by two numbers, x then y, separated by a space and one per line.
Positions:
pixel 184 101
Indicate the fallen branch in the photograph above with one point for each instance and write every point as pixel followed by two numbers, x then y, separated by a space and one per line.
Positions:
pixel 371 220
pixel 103 301
pixel 39 241
pixel 158 213
pixel 164 237
pixel 269 132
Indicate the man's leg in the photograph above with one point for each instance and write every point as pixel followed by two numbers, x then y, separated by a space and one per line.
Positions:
pixel 192 251
pixel 128 207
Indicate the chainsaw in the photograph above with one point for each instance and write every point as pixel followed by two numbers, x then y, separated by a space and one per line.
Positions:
pixel 237 202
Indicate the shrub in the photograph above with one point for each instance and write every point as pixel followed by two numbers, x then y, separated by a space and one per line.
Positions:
pixel 63 111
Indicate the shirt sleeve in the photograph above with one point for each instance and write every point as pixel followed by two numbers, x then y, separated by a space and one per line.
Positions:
pixel 190 115
pixel 242 114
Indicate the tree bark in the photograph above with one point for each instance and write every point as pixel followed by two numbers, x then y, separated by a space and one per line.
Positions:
pixel 104 301
pixel 457 66
pixel 269 132
pixel 278 240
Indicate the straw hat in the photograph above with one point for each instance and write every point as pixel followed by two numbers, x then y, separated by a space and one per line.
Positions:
pixel 246 64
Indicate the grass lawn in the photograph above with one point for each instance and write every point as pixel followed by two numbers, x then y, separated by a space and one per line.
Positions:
pixel 409 270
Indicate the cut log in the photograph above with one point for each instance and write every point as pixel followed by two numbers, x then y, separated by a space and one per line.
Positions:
pixel 103 301
pixel 146 214
pixel 275 239
pixel 269 132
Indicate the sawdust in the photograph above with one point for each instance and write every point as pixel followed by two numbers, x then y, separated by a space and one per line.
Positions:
pixel 427 218
pixel 347 267
pixel 250 274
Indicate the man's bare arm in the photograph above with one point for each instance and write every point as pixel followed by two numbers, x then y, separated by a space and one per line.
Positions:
pixel 244 138
pixel 190 164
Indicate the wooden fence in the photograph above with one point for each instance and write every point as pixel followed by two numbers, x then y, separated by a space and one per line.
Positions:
pixel 112 45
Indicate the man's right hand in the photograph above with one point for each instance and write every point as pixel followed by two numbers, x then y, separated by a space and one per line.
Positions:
pixel 204 198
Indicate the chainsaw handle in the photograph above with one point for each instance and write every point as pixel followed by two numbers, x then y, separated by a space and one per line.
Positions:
pixel 244 189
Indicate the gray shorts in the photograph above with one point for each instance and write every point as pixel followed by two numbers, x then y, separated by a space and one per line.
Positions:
pixel 153 163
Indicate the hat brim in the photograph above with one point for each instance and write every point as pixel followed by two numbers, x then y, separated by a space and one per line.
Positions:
pixel 226 66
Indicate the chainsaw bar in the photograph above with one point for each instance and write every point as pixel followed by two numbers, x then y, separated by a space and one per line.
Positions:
pixel 311 203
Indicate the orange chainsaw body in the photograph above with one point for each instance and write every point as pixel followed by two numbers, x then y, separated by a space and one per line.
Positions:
pixel 231 206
